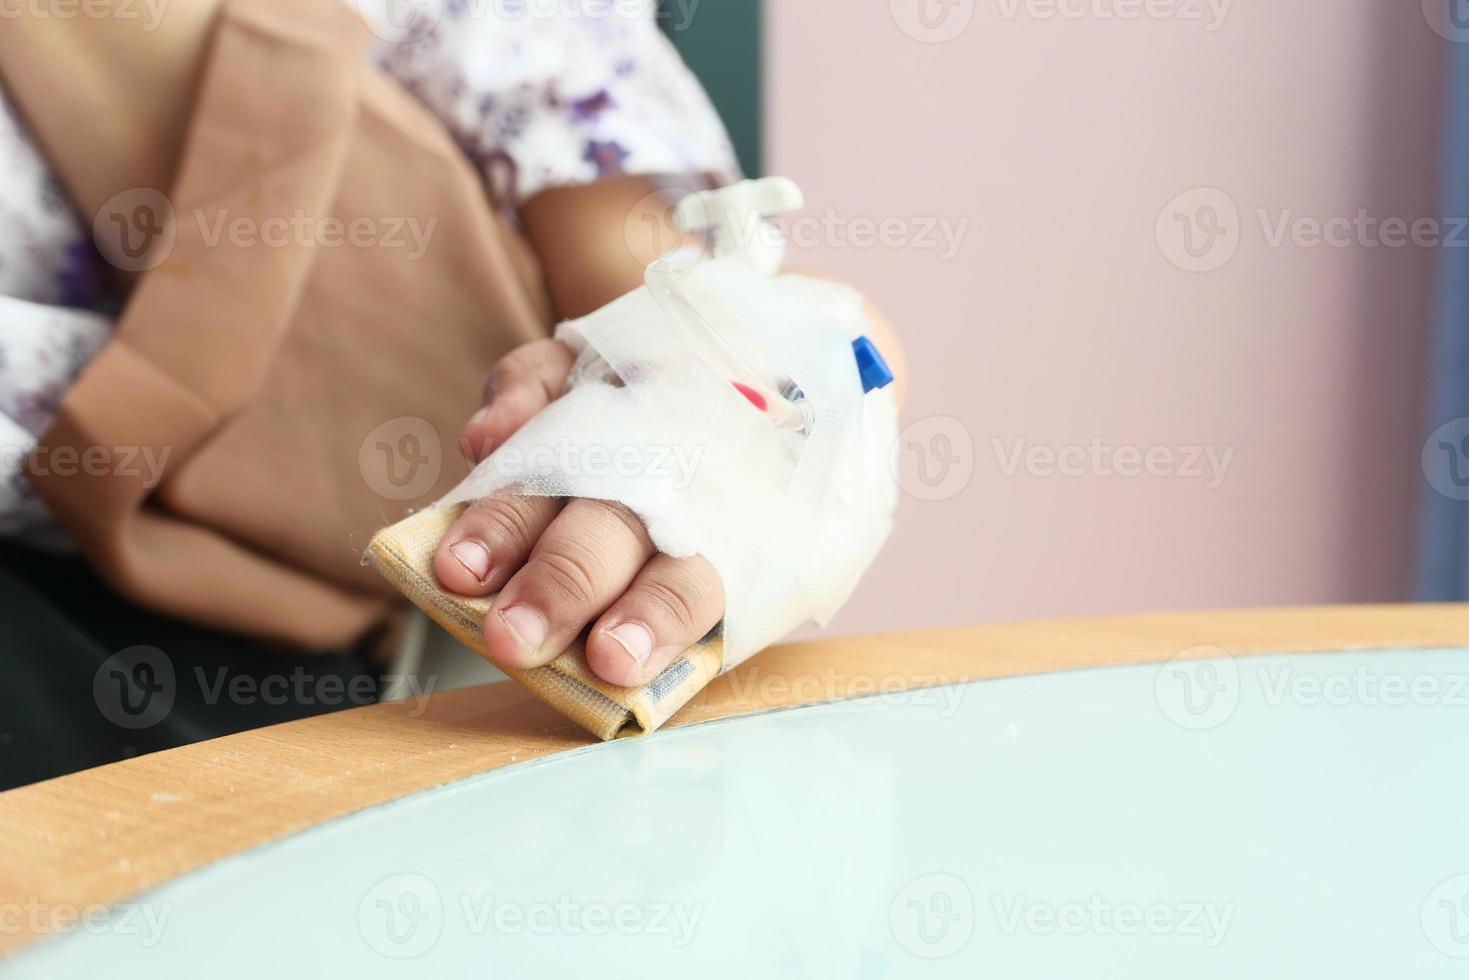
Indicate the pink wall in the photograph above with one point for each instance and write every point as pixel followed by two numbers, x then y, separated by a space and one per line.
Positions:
pixel 1062 318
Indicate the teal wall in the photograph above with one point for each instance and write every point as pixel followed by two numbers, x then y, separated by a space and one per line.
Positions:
pixel 721 41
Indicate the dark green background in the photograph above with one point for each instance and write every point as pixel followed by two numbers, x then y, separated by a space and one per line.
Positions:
pixel 721 42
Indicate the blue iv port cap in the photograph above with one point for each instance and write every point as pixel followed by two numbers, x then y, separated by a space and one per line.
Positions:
pixel 873 370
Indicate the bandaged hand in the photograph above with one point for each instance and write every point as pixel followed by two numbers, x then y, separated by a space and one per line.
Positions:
pixel 560 565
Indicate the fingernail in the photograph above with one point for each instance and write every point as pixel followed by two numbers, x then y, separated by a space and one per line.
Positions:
pixel 480 416
pixel 528 626
pixel 636 639
pixel 474 556
pixel 466 450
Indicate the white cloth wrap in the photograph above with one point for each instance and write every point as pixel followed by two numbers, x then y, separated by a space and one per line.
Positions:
pixel 789 521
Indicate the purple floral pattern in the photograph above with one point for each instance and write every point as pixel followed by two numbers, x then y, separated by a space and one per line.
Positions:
pixel 540 98
pixel 51 291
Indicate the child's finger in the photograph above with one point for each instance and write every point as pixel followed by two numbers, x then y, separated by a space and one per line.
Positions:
pixel 670 606
pixel 523 382
pixel 587 558
pixel 491 540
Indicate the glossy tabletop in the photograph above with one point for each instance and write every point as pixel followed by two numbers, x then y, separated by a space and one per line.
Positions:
pixel 1273 815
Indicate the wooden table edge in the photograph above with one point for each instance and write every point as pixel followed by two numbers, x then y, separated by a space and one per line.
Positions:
pixel 103 835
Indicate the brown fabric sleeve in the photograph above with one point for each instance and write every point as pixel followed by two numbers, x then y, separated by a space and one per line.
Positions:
pixel 259 372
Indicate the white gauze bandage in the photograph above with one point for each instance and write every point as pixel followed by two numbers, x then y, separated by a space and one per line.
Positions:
pixel 789 520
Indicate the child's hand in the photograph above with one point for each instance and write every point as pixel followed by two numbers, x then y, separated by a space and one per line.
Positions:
pixel 561 564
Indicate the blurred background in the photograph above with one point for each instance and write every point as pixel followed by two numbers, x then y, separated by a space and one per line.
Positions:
pixel 1171 276
pixel 1183 286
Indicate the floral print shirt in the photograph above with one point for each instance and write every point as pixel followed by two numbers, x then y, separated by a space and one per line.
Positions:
pixel 538 93
pixel 51 323
pixel 542 93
